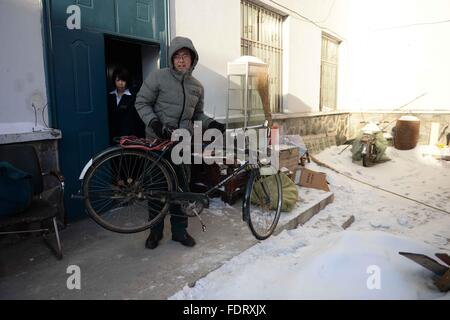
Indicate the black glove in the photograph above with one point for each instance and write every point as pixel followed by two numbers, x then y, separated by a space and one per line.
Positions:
pixel 157 128
pixel 167 131
pixel 217 125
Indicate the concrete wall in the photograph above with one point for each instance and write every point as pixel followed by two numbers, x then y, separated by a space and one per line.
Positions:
pixel 396 52
pixel 391 53
pixel 385 61
pixel 214 27
pixel 21 65
pixel 302 67
pixel 302 44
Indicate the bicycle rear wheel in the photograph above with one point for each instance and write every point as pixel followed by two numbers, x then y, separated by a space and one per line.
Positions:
pixel 262 203
pixel 368 157
pixel 121 191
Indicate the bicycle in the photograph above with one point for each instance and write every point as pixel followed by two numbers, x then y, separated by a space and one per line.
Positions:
pixel 369 151
pixel 130 187
pixel 366 146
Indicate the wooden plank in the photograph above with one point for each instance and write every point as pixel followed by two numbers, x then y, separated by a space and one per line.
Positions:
pixel 444 257
pixel 443 283
pixel 434 133
pixel 348 223
pixel 426 262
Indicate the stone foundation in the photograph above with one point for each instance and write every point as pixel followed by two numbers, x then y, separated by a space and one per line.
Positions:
pixel 329 124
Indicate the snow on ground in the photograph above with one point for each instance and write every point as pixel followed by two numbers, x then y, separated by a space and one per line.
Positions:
pixel 217 207
pixel 291 266
pixel 409 173
pixel 378 210
pixel 321 261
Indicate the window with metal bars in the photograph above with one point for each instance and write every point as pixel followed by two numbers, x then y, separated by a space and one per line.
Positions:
pixel 261 36
pixel 329 73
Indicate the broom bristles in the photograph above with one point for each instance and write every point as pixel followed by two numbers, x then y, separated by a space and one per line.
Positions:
pixel 263 90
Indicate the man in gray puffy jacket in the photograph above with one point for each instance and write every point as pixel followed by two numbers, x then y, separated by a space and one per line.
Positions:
pixel 169 99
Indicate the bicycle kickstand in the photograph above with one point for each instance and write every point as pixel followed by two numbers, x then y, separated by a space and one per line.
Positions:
pixel 200 219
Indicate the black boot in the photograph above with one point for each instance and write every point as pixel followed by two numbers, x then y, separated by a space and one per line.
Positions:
pixel 153 240
pixel 185 239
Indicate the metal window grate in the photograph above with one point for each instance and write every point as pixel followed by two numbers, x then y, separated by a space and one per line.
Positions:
pixel 261 36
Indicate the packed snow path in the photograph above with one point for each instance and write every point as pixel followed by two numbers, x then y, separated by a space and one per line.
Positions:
pixel 321 261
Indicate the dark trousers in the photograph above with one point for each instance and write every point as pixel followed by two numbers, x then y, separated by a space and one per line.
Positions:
pixel 178 219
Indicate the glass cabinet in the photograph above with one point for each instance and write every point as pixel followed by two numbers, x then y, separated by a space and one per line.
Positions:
pixel 247 89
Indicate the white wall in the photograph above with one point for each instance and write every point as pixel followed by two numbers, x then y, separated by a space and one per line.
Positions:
pixel 21 63
pixel 393 61
pixel 378 69
pixel 301 67
pixel 214 28
pixel 302 44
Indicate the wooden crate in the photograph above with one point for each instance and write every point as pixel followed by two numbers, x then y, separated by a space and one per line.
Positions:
pixel 289 157
pixel 206 176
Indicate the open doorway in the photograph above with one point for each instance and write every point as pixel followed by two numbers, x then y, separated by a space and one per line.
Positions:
pixel 139 60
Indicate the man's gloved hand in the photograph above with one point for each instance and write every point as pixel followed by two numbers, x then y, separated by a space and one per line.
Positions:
pixel 157 127
pixel 217 125
pixel 167 131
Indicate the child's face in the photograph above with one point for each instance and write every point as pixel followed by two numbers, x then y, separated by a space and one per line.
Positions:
pixel 120 84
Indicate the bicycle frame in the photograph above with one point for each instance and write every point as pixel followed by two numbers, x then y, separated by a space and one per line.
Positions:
pixel 176 196
pixel 189 196
pixel 180 197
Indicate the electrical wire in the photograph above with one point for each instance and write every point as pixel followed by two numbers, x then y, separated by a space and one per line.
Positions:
pixel 320 163
pixel 298 14
pixel 329 13
pixel 407 104
pixel 309 20
pixel 412 25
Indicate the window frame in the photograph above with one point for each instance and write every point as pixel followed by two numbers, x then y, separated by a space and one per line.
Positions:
pixel 270 47
pixel 326 61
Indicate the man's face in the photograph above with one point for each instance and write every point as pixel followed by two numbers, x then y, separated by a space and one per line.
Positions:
pixel 182 60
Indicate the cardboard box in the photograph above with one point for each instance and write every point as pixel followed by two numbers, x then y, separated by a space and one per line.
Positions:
pixel 313 179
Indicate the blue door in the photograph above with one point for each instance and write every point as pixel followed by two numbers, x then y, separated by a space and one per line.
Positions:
pixel 78 74
pixel 80 87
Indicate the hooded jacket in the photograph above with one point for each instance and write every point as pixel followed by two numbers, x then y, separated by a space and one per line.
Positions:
pixel 173 97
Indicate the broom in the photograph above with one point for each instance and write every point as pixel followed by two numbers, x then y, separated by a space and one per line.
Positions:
pixel 263 90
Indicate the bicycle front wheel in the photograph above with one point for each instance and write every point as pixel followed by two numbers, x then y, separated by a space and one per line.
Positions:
pixel 124 191
pixel 262 203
